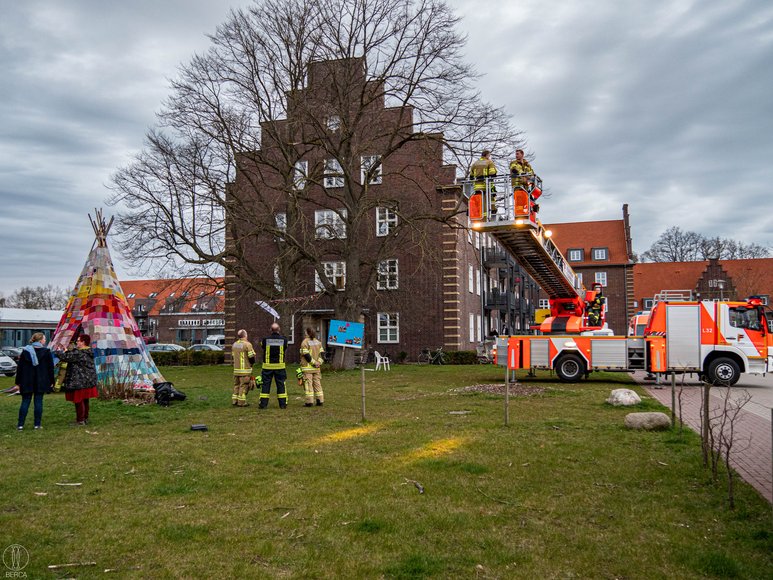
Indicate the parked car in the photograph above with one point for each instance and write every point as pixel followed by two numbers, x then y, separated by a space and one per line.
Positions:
pixel 164 347
pixel 7 366
pixel 205 347
pixel 14 352
pixel 215 339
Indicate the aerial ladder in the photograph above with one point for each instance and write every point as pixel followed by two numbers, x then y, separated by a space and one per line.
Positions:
pixel 505 207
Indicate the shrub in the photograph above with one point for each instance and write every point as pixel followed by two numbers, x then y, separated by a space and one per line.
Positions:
pixel 188 357
pixel 462 357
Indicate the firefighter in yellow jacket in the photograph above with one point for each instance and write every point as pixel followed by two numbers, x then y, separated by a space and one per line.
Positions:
pixel 480 172
pixel 243 356
pixel 311 361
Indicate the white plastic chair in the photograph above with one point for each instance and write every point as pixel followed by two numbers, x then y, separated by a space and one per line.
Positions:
pixel 382 362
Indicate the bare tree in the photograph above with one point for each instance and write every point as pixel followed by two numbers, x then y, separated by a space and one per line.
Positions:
pixel 241 116
pixel 674 245
pixel 47 297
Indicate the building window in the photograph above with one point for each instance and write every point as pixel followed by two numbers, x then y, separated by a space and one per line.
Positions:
pixel 333 123
pixel 280 219
pixel 576 255
pixel 477 240
pixel 764 299
pixel 544 303
pixel 387 275
pixel 386 221
pixel 300 174
pixel 480 331
pixel 291 338
pixel 477 282
pixel 471 281
pixel 334 174
pixel 472 328
pixel 600 254
pixel 335 272
pixel 277 279
pixel 370 165
pixel 388 327
pixel 601 278
pixel 152 294
pixel 330 224
pixel 130 295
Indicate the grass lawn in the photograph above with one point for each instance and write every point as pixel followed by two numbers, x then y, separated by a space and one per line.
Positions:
pixel 563 492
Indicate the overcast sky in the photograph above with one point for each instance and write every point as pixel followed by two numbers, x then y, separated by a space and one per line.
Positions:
pixel 665 105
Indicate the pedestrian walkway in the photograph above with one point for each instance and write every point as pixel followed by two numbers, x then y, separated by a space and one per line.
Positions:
pixel 751 453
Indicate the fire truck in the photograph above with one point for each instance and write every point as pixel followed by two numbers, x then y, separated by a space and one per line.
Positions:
pixel 716 340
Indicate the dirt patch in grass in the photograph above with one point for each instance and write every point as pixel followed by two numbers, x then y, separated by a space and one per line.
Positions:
pixel 516 390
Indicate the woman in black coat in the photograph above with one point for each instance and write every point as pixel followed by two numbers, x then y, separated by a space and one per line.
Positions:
pixel 80 378
pixel 34 377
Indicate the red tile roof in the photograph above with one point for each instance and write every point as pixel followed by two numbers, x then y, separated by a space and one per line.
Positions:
pixel 754 276
pixel 156 293
pixel 608 234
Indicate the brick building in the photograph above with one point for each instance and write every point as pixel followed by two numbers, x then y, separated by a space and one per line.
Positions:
pixel 601 251
pixel 707 280
pixel 430 284
pixel 183 311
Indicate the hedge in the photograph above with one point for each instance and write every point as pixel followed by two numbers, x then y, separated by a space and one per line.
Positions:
pixel 189 357
pixel 461 357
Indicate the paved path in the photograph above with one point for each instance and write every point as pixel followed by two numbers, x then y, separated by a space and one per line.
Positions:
pixel 752 454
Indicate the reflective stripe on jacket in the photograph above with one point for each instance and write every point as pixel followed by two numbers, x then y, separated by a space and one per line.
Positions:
pixel 480 170
pixel 243 357
pixel 274 347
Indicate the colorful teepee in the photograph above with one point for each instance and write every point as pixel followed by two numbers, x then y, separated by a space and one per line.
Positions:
pixel 98 307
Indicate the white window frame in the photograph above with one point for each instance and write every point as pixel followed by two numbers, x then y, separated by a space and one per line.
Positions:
pixel 291 338
pixel 648 303
pixel 335 272
pixel 600 278
pixel 386 221
pixel 574 255
pixel 329 224
pixel 388 327
pixel 480 327
pixel 368 161
pixel 333 123
pixel 471 280
pixel 277 279
pixel 300 175
pixel 472 327
pixel 600 254
pixel 334 174
pixel 477 240
pixel 388 274
pixel 544 303
pixel 477 281
pixel 280 220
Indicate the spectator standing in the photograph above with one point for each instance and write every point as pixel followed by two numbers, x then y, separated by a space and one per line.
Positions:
pixel 243 356
pixel 80 379
pixel 311 361
pixel 34 378
pixel 274 348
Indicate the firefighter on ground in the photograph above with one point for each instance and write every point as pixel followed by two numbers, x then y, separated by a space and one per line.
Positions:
pixel 481 170
pixel 311 361
pixel 274 348
pixel 521 174
pixel 243 356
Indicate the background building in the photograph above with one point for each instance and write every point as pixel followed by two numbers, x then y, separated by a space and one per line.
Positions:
pixel 183 311
pixel 17 325
pixel 601 251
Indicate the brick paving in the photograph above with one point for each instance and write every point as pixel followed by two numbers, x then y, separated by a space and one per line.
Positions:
pixel 751 455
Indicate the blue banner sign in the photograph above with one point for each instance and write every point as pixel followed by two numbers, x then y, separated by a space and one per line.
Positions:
pixel 348 334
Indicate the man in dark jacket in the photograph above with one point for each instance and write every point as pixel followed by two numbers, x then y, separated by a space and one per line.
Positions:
pixel 34 377
pixel 274 348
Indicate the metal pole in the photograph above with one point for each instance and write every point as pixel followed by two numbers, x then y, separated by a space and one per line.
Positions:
pixel 362 381
pixel 771 455
pixel 673 400
pixel 507 395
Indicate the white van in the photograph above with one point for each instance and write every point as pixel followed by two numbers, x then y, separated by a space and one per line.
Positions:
pixel 215 339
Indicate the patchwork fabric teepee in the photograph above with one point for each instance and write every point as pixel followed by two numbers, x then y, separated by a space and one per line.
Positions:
pixel 98 307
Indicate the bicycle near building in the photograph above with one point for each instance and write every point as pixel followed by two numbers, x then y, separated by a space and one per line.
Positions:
pixel 433 357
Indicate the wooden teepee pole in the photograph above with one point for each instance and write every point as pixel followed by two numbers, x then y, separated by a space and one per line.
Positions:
pixel 100 227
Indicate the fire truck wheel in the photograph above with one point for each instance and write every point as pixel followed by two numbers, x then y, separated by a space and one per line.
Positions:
pixel 724 371
pixel 570 368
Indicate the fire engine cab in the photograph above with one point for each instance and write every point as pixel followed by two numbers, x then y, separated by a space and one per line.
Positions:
pixel 717 340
